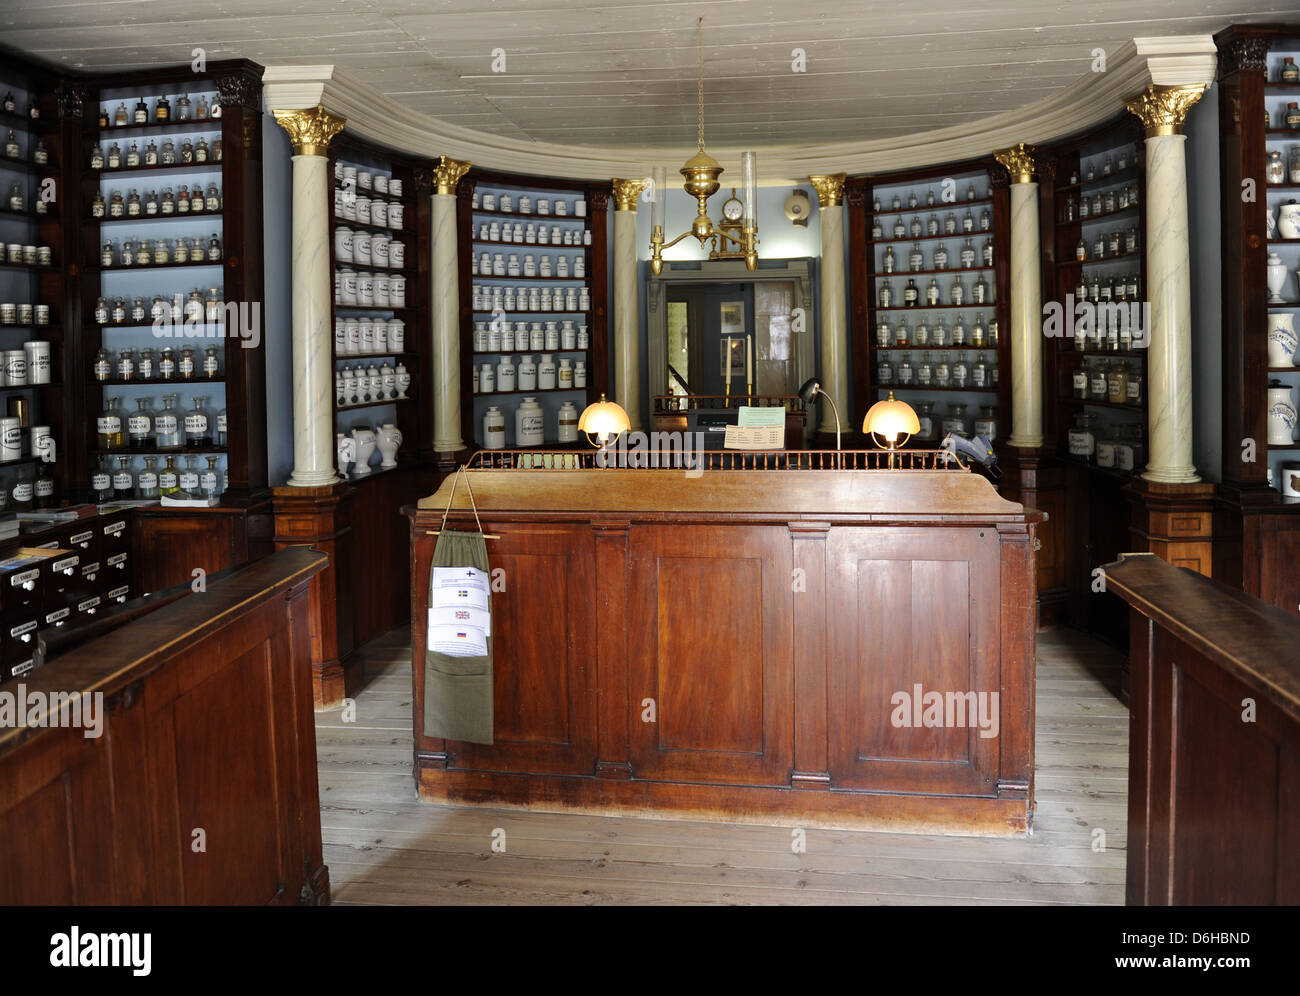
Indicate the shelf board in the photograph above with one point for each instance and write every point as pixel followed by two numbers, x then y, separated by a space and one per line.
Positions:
pixel 928 348
pixel 1283 186
pixel 16 118
pixel 1284 447
pixel 154 382
pixel 532 216
pixel 28 166
pixel 929 208
pixel 397 312
pixel 576 311
pixel 1284 242
pixel 367 226
pixel 345 357
pixel 511 280
pixel 528 245
pixel 210 165
pixel 531 392
pixel 932 387
pixel 371 404
pixel 154 451
pixel 940 307
pixel 1119 176
pixel 190 264
pixel 137 219
pixel 926 273
pixel 38 328
pixel 30 387
pixel 1089 402
pixel 1284 370
pixel 538 352
pixel 1124 354
pixel 376 271
pixel 26 214
pixel 33 267
pixel 972 235
pixel 1135 254
pixel 1104 216
pixel 1282 133
pixel 132 130
pixel 21 461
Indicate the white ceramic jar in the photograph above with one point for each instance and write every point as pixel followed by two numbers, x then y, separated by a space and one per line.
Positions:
pixel 1282 339
pixel 567 429
pixel 343 245
pixel 494 429
pixel 396 333
pixel 505 374
pixel 1281 415
pixel 530 427
pixel 526 374
pixel 396 254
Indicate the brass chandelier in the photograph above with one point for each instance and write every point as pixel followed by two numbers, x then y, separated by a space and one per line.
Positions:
pixel 701 174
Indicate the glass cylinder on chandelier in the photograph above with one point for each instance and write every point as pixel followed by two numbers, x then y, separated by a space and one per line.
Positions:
pixel 659 205
pixel 749 181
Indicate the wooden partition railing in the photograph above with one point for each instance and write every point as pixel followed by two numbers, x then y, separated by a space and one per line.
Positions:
pixel 1214 747
pixel 172 761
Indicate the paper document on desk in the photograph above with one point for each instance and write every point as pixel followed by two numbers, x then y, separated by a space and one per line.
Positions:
pixel 740 437
pixel 754 415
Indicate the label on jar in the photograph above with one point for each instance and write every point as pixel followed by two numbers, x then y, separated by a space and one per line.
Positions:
pixel 44 487
pixel 1124 456
pixel 108 425
pixel 1080 383
pixel 139 425
pixel 147 480
pixel 166 367
pixel 23 491
pixel 190 480
pixel 1081 443
pixel 1105 454
pixel 221 421
pixel 196 423
pixel 164 425
pixel 125 367
pixel 953 425
pixel 122 480
pixel 1134 392
pixel 167 479
pixel 1099 385
pixel 187 366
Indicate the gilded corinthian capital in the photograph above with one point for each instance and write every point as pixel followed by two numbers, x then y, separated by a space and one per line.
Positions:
pixel 447 174
pixel 310 130
pixel 1020 162
pixel 626 192
pixel 829 187
pixel 1163 109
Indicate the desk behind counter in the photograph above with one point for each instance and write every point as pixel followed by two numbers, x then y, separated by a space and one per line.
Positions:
pixel 833 647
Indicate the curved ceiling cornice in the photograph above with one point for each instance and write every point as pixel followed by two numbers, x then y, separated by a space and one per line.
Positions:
pixel 1091 100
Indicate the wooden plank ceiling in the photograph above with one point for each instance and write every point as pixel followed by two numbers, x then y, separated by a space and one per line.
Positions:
pixel 623 74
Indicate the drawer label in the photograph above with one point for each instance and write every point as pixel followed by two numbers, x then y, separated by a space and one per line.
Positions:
pixel 58 614
pixel 90 570
pixel 117 558
pixel 112 529
pixel 49 546
pixel 22 668
pixel 25 576
pixel 22 628
pixel 85 537
pixel 119 592
pixel 67 563
pixel 89 603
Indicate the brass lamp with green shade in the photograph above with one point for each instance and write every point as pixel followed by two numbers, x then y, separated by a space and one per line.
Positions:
pixel 889 420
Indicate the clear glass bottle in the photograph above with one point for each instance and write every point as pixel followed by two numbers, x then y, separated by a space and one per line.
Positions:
pixel 904 373
pixel 103 365
pixel 902 333
pixel 1133 385
pixel 109 426
pixel 123 479
pixel 932 292
pixel 939 257
pixel 211 363
pixel 168 477
pixel 925 371
pixel 146 481
pixel 1079 382
pixel 185 365
pixel 167 425
pixel 987 423
pixel 198 425
pixel 139 426
pixel 960 371
pixel 925 416
pixel 210 478
pixel 942 371
pixel 1082 442
pixel 167 364
pixel 884 369
pixel 979 372
pixel 101 480
pixel 1117 384
pixel 126 365
pixel 916 258
pixel 221 425
pixel 20 497
pixel 189 476
pixel 956 420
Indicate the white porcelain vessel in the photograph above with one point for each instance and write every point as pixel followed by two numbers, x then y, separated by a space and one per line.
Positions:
pixel 389 439
pixel 1282 340
pixel 365 441
pixel 1288 220
pixel 1276 278
pixel 347 451
pixel 1281 415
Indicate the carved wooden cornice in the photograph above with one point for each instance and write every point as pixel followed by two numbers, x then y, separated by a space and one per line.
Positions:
pixel 1239 55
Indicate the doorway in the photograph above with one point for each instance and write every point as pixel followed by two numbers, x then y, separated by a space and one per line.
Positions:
pixel 701 319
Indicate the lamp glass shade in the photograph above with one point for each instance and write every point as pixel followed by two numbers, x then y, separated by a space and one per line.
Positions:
pixel 659 202
pixel 890 419
pixel 749 183
pixel 603 419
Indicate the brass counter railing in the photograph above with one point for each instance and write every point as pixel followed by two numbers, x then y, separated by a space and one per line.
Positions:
pixel 668 458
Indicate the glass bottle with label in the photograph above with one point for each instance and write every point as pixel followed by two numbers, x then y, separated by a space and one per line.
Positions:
pixel 44 486
pixel 109 426
pixel 123 479
pixel 987 423
pixel 940 257
pixel 960 371
pixel 146 481
pixel 967 255
pixel 198 426
pixel 958 334
pixel 211 363
pixel 1117 384
pixel 139 426
pixel 942 371
pixel 911 294
pixel 167 424
pixel 189 476
pixel 916 258
pixel 884 370
pixel 20 497
pixel 925 371
pixel 221 426
pixel 1133 386
pixel 210 479
pixel 887 260
pixel 103 365
pixel 956 420
pixel 979 372
pixel 904 372
pixel 101 481
pixel 1097 384
pixel 1082 442
pixel 168 477
pixel 925 416
pixel 886 294
pixel 1079 380
pixel 932 292
pixel 185 365
pixel 902 333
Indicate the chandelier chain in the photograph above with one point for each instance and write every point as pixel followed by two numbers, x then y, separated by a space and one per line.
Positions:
pixel 699 42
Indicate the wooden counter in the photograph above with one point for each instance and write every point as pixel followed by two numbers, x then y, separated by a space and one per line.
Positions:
pixel 206 725
pixel 1214 749
pixel 768 619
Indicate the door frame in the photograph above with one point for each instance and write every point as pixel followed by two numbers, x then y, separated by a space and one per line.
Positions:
pixel 726 271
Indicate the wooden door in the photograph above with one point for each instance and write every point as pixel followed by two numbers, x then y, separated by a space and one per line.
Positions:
pixel 543 648
pixel 913 612
pixel 710 621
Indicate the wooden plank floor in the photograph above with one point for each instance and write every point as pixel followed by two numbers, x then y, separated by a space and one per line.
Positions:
pixel 384 847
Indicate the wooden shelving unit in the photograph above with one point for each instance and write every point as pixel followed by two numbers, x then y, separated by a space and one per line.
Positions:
pixel 589 231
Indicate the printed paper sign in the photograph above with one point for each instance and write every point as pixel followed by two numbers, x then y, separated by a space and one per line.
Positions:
pixel 457 641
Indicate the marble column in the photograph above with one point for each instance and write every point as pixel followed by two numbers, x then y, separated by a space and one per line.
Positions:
pixel 446 307
pixel 310 132
pixel 834 374
pixel 1162 110
pixel 1026 299
pixel 627 312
